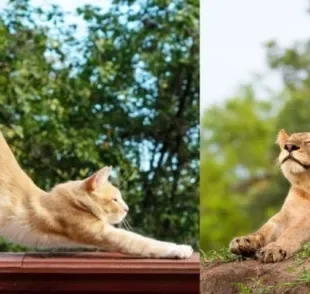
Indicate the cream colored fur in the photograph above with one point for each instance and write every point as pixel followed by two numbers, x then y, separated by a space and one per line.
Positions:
pixel 72 214
pixel 286 232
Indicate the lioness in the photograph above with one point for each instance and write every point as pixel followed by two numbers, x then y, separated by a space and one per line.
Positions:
pixel 286 232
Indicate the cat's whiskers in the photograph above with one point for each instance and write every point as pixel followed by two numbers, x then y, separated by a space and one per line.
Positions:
pixel 125 225
pixel 129 226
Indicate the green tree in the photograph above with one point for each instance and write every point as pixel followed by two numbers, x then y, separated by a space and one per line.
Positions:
pixel 233 157
pixel 126 94
pixel 241 185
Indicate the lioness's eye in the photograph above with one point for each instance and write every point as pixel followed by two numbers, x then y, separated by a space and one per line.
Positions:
pixel 307 142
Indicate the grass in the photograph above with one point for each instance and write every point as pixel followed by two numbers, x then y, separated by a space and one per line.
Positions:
pixel 224 255
pixel 242 288
pixel 257 287
pixel 302 279
pixel 302 255
pixel 221 255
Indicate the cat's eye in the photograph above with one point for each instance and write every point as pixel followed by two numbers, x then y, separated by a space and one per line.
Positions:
pixel 115 199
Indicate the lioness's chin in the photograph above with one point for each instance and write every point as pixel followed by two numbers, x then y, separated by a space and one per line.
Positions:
pixel 292 168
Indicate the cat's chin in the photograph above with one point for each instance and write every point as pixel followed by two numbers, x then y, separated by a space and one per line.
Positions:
pixel 114 220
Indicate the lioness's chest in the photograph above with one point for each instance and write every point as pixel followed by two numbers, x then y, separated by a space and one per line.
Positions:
pixel 296 207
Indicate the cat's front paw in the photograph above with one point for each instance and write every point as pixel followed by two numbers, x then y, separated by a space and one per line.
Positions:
pixel 246 246
pixel 179 251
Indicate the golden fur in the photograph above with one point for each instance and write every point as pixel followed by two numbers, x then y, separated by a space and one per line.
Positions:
pixel 73 214
pixel 286 232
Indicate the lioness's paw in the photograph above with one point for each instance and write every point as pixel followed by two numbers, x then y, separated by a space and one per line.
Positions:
pixel 180 251
pixel 246 246
pixel 271 253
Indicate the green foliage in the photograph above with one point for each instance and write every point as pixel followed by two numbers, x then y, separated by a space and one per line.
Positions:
pixel 303 278
pixel 221 255
pixel 242 288
pixel 6 246
pixel 257 287
pixel 241 186
pixel 126 94
pixel 233 149
pixel 302 255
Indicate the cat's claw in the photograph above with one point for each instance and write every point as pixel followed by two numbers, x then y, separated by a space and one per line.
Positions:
pixel 180 251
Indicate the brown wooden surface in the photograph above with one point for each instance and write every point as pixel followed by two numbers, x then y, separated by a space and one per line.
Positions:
pixel 96 273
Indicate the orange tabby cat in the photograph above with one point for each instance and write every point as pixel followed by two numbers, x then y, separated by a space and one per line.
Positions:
pixel 72 214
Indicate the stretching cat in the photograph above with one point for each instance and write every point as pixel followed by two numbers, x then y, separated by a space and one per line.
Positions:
pixel 72 214
pixel 285 233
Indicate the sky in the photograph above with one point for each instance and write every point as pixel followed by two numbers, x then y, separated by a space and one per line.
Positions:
pixel 232 35
pixel 67 5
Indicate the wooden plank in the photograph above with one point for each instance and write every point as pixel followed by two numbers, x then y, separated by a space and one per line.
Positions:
pixel 105 263
pixel 96 273
pixel 11 261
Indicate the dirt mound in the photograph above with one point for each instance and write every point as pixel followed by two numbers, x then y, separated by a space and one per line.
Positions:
pixel 251 276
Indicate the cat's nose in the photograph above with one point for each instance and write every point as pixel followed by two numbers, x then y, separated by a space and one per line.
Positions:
pixel 291 147
pixel 126 209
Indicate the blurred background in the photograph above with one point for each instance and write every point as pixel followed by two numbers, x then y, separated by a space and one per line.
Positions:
pixel 85 84
pixel 255 80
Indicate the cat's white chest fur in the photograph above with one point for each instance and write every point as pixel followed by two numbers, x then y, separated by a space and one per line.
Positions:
pixel 23 235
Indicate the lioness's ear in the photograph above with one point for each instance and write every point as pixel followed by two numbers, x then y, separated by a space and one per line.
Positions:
pixel 98 178
pixel 282 137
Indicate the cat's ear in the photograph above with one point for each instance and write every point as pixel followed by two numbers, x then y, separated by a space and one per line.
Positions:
pixel 98 178
pixel 282 137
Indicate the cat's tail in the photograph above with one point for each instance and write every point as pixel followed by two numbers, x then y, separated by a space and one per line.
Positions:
pixel 5 151
pixel 10 168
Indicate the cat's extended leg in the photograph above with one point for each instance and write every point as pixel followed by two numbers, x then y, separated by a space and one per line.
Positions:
pixel 248 245
pixel 291 241
pixel 123 241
